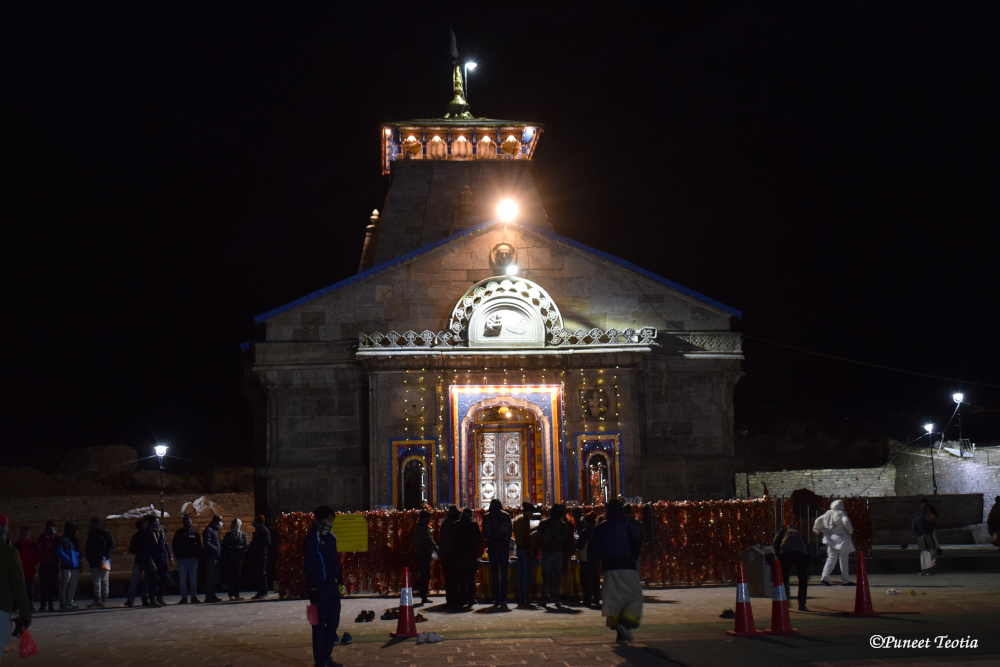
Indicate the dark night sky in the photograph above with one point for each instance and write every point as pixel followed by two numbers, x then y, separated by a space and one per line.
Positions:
pixel 828 168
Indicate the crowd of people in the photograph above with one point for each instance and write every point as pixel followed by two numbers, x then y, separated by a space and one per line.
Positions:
pixel 608 544
pixel 58 558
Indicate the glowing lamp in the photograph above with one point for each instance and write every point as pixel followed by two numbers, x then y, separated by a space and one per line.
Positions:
pixel 470 65
pixel 957 397
pixel 929 428
pixel 507 210
pixel 512 270
pixel 161 450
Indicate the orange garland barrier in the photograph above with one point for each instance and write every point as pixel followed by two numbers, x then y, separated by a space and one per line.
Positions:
pixel 692 542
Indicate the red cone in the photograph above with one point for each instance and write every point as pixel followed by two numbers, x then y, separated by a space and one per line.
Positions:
pixel 744 615
pixel 781 624
pixel 862 596
pixel 405 625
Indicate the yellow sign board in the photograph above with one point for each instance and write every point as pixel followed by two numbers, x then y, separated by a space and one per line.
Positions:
pixel 351 531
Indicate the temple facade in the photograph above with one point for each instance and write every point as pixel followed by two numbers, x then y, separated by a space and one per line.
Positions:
pixel 479 355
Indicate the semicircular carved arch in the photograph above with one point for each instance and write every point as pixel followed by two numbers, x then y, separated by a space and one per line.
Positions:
pixel 531 295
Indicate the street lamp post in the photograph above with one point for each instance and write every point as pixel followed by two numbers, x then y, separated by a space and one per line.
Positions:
pixel 958 400
pixel 161 451
pixel 465 72
pixel 930 437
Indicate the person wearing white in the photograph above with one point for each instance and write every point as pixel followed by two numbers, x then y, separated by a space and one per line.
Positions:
pixel 836 529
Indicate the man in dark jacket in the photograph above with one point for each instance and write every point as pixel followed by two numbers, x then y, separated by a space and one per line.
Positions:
pixel 551 537
pixel 791 551
pixel 423 547
pixel 589 567
pixel 258 556
pixel 324 584
pixel 68 552
pixel 616 544
pixel 100 547
pixel 13 595
pixel 447 551
pixel 156 549
pixel 213 553
pixel 497 526
pixel 135 547
pixel 467 541
pixel 187 549
pixel 48 566
pixel 525 554
pixel 234 545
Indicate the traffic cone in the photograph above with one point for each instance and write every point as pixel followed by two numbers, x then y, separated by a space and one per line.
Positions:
pixel 862 596
pixel 781 624
pixel 744 614
pixel 405 625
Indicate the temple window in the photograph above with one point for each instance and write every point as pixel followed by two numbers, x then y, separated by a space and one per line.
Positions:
pixel 487 149
pixel 461 149
pixel 437 149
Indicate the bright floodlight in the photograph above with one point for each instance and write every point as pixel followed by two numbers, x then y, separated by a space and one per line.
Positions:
pixel 957 397
pixel 470 65
pixel 929 427
pixel 512 270
pixel 161 450
pixel 507 210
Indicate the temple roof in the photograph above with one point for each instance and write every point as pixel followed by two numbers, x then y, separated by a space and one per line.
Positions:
pixel 472 231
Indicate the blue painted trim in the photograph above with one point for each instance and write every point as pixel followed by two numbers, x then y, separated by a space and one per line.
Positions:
pixel 471 231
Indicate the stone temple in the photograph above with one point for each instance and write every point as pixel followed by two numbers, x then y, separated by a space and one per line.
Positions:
pixel 477 354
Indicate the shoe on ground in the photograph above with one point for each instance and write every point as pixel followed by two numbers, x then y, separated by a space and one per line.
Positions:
pixel 237 598
pixel 160 601
pixel 504 607
pixel 195 600
pixel 421 638
pixel 183 601
pixel 802 607
pixel 153 604
pixel 362 617
pixel 369 616
pixel 849 583
pixel 336 640
pixel 94 605
pixel 129 603
pixel 623 632
pixel 433 638
pixel 145 602
pixel 825 582
pixel 347 638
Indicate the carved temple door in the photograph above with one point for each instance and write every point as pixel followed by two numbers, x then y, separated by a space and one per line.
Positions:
pixel 500 467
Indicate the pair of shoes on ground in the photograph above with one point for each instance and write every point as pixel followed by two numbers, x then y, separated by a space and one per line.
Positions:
pixel 96 604
pixel 390 614
pixel 260 596
pixel 419 618
pixel 345 641
pixel 501 606
pixel 365 617
pixel 429 638
pixel 235 598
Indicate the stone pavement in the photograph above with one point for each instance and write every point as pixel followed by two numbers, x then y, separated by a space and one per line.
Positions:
pixel 680 627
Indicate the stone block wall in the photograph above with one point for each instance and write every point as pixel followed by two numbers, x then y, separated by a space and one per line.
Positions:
pixel 954 476
pixel 34 512
pixel 830 482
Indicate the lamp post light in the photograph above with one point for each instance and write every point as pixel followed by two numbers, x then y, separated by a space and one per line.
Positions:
pixel 465 73
pixel 161 451
pixel 930 437
pixel 958 398
pixel 507 210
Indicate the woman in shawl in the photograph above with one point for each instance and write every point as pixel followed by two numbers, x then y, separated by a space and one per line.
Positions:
pixel 923 526
pixel 836 530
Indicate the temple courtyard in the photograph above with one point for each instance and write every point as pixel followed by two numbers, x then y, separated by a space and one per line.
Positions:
pixel 681 626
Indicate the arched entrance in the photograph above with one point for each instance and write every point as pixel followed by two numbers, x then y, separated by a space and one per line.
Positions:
pixel 504 454
pixel 414 478
pixel 597 488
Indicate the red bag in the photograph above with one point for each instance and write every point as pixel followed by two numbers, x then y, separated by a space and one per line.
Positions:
pixel 28 646
pixel 312 614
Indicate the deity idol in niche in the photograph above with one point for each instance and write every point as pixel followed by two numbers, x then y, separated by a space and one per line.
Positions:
pixel 595 402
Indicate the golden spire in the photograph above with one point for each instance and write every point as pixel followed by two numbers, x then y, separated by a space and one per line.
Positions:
pixel 458 107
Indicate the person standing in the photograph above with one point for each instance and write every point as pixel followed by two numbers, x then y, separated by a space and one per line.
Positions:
pixel 551 538
pixel 467 541
pixel 156 549
pixel 99 549
pixel 589 570
pixel 993 523
pixel 233 547
pixel 423 548
pixel 792 552
pixel 28 552
pixel 68 552
pixel 616 544
pixel 48 566
pixel 923 525
pixel 324 583
pixel 13 595
pixel 258 556
pixel 187 549
pixel 525 554
pixel 447 551
pixel 497 528
pixel 135 547
pixel 836 529
pixel 213 554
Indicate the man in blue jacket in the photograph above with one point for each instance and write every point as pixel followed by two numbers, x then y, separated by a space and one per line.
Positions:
pixel 616 543
pixel 324 582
